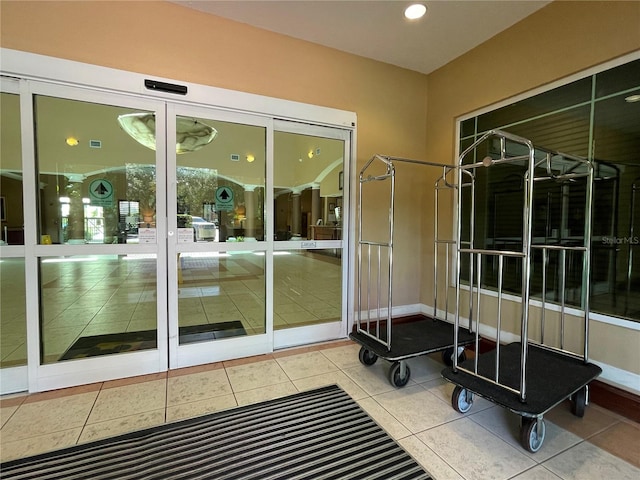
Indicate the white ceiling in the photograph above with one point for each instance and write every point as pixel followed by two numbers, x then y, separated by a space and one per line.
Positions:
pixel 377 29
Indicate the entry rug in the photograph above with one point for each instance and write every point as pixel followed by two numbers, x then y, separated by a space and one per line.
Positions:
pixel 107 344
pixel 321 434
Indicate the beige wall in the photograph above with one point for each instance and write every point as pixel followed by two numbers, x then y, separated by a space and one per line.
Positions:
pixel 557 41
pixel 158 38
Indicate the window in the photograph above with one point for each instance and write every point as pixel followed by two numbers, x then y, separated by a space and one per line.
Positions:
pixel 596 117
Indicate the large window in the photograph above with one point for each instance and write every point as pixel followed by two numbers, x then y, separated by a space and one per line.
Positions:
pixel 596 117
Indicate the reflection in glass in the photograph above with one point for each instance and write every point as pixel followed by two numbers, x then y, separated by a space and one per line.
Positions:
pixel 542 104
pixel 308 288
pixel 220 295
pixel 97 305
pixel 308 187
pixel 13 322
pixel 191 135
pixel 220 188
pixel 11 210
pixel 607 129
pixel 100 189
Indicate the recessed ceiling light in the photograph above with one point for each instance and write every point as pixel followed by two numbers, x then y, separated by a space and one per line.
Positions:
pixel 72 141
pixel 632 98
pixel 415 11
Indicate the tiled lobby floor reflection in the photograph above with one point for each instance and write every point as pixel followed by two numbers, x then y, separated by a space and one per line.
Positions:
pixel 479 445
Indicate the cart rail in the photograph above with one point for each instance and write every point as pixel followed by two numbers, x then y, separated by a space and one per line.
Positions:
pixel 540 165
pixel 375 257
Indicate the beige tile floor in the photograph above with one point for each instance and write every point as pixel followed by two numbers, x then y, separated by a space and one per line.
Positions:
pixel 110 294
pixel 479 445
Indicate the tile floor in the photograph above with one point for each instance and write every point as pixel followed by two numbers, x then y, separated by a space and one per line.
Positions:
pixel 483 444
pixel 91 295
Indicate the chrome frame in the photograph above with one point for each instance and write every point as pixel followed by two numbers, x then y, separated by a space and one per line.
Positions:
pixel 365 325
pixel 632 241
pixel 531 177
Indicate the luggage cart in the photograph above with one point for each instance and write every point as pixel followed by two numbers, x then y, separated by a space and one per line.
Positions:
pixel 530 376
pixel 377 333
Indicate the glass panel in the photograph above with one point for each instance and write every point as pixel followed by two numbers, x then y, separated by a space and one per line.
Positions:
pixel 308 183
pixel 11 211
pixel 543 103
pixel 618 79
pixel 468 127
pixel 307 288
pixel 616 224
pixel 221 295
pixel 13 320
pixel 97 305
pixel 97 184
pixel 308 186
pixel 566 132
pixel 220 198
pixel 615 255
pixel 220 187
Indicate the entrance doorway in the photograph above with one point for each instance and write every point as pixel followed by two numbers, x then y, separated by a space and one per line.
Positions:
pixel 152 236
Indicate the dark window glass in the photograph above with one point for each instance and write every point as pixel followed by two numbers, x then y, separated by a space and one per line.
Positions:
pixel 543 103
pixel 468 127
pixel 561 120
pixel 618 79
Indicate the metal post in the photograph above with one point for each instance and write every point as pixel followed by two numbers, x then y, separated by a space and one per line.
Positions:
pixel 526 270
pixel 563 287
pixel 544 293
pixel 478 294
pixel 499 325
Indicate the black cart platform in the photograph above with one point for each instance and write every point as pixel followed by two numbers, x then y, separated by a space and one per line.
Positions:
pixel 552 377
pixel 411 339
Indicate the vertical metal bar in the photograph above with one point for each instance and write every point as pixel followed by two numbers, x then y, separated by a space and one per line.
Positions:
pixel 446 280
pixel 526 271
pixel 378 291
pixel 563 286
pixel 435 253
pixel 499 325
pixel 391 233
pixel 458 233
pixel 586 266
pixel 369 290
pixel 359 319
pixel 477 343
pixel 632 216
pixel 544 293
pixel 471 243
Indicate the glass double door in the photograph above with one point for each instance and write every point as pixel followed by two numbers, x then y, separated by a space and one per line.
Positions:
pixel 161 235
pixel 252 266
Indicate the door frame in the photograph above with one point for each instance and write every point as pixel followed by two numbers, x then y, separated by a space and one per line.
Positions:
pixel 99 368
pixel 13 379
pixel 233 347
pixel 92 82
pixel 289 337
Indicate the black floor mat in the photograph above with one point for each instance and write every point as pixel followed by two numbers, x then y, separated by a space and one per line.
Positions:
pixel 95 345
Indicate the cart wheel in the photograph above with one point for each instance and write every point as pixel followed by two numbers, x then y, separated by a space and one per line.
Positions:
pixel 447 357
pixel 461 400
pixel 530 439
pixel 367 357
pixel 394 375
pixel 579 402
